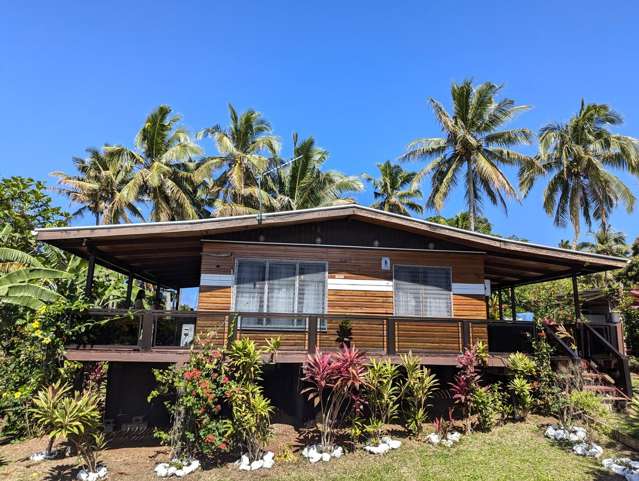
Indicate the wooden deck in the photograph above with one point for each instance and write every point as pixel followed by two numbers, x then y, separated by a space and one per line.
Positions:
pixel 154 336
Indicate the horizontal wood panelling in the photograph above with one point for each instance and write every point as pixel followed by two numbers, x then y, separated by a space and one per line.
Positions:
pixel 470 307
pixel 367 334
pixel 344 263
pixel 427 336
pixel 291 340
pixel 207 323
pixel 479 332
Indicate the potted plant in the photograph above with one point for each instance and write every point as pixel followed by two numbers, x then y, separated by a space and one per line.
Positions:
pixel 344 333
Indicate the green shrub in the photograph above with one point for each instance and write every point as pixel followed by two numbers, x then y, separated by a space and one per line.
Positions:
pixel 520 390
pixel 417 389
pixel 521 365
pixel 381 393
pixel 488 403
pixel 589 406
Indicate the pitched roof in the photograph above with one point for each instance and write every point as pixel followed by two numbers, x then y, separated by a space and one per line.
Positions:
pixel 535 262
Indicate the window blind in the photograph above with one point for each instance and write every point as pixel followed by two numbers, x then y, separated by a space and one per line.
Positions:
pixel 422 291
pixel 280 286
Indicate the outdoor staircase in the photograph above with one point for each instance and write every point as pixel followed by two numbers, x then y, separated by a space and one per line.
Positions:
pixel 601 384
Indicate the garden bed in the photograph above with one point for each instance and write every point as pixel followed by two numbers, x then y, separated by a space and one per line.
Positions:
pixel 515 452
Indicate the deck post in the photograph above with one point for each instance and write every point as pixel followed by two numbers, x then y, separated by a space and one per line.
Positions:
pixel 156 298
pixel 88 287
pixel 312 333
pixel 465 327
pixel 146 337
pixel 501 306
pixel 513 304
pixel 129 290
pixel 177 299
pixel 575 297
pixel 390 336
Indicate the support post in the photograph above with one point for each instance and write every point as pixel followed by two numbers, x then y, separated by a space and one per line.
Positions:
pixel 177 299
pixel 156 301
pixel 575 297
pixel 390 336
pixel 513 304
pixel 501 306
pixel 146 336
pixel 88 287
pixel 129 290
pixel 312 334
pixel 465 327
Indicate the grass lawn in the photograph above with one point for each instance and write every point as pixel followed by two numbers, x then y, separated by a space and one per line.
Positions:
pixel 515 452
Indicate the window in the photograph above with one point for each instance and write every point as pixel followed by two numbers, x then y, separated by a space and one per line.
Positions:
pixel 281 287
pixel 422 291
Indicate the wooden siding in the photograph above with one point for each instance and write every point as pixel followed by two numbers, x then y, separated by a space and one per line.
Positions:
pixel 354 264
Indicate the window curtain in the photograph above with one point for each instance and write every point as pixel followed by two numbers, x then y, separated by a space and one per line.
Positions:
pixel 422 291
pixel 280 286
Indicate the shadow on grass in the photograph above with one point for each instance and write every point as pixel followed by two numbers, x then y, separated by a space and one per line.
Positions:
pixel 61 472
pixel 600 474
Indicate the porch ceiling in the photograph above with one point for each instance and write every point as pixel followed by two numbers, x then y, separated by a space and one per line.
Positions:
pixel 169 253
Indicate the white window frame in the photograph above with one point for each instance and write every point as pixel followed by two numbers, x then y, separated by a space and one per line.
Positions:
pixel 321 325
pixel 450 274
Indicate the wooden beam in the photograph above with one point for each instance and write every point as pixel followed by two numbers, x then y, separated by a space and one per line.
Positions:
pixel 129 290
pixel 513 304
pixel 88 287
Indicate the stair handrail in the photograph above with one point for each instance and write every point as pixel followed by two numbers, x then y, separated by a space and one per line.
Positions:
pixel 571 352
pixel 627 382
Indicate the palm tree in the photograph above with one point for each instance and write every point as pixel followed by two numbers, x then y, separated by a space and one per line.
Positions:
pixel 565 244
pixel 23 278
pixel 166 175
pixel 303 185
pixel 395 190
pixel 462 221
pixel 575 156
pixel 472 144
pixel 607 242
pixel 246 148
pixel 101 178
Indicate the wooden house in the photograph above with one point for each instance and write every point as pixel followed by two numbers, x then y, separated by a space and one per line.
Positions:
pixel 403 284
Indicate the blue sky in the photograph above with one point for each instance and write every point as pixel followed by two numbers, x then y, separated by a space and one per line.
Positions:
pixel 355 75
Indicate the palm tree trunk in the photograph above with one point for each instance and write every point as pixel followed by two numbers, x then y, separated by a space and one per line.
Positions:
pixel 471 196
pixel 97 218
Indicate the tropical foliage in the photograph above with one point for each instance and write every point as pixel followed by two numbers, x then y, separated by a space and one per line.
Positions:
pixel 395 190
pixel 575 157
pixel 472 147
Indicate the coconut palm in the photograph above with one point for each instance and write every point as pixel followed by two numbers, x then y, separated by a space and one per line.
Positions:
pixel 23 278
pixel 395 190
pixel 101 177
pixel 303 185
pixel 575 157
pixel 607 242
pixel 166 176
pixel 472 146
pixel 246 148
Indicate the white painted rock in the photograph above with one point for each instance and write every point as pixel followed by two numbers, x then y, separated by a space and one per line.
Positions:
pixel 591 450
pixel 269 460
pixel 84 475
pixel 257 464
pixel 447 442
pixel 338 452
pixel 392 443
pixel 625 467
pixel 165 470
pixel 381 448
pixel 433 438
pixel 559 433
pixel 453 436
pixel 42 455
pixel 314 453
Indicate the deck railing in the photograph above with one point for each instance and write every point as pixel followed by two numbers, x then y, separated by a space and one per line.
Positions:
pixel 149 329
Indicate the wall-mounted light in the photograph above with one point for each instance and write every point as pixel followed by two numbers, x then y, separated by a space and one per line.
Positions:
pixel 318 240
pixel 376 243
pixel 431 245
pixel 261 238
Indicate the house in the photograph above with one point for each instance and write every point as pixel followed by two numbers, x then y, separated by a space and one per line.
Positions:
pixel 404 284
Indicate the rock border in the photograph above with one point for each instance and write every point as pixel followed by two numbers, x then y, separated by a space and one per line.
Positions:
pixel 314 453
pixel 166 470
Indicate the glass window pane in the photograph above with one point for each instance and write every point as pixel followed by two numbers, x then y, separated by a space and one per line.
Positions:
pixel 422 291
pixel 249 290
